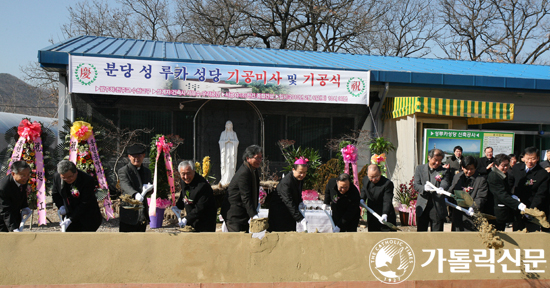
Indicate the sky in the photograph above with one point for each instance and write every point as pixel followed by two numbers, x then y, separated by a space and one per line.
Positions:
pixel 26 27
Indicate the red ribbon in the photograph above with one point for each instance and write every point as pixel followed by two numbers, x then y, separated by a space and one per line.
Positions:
pixel 29 130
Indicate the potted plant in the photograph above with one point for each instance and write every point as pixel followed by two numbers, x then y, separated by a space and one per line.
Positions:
pixel 406 196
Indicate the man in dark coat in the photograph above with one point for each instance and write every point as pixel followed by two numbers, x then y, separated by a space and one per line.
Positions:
pixel 241 201
pixel 431 209
pixel 132 178
pixel 13 197
pixel 485 164
pixel 73 192
pixel 343 198
pixel 286 201
pixel 505 206
pixel 197 198
pixel 377 192
pixel 454 164
pixel 471 182
pixel 530 184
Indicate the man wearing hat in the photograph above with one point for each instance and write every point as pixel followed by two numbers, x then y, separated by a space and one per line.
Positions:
pixel 133 177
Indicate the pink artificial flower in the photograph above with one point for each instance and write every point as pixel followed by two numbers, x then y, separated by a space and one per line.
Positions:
pixel 82 131
pixel 438 177
pixel 75 192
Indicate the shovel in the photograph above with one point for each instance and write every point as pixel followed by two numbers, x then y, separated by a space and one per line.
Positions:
pixel 63 228
pixel 177 211
pixel 463 199
pixel 390 225
pixel 331 221
pixel 304 214
pixel 22 224
pixel 457 207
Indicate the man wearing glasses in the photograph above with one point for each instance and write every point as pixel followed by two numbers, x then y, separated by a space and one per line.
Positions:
pixel 377 192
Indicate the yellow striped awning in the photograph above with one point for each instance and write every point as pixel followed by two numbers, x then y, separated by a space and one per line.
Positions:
pixel 477 112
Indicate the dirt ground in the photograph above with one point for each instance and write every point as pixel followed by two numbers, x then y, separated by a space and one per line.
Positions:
pixel 170 224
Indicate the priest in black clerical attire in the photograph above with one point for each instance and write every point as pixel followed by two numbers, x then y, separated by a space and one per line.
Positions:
pixel 132 178
pixel 13 197
pixel 377 192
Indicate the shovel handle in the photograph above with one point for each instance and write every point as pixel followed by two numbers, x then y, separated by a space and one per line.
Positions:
pixel 371 211
pixel 63 228
pixel 331 221
pixel 22 224
pixel 439 190
pixel 456 206
pixel 176 211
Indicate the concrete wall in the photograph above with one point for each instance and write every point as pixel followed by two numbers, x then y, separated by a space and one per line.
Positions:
pixel 70 258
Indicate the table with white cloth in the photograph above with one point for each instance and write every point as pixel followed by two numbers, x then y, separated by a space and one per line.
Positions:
pixel 317 220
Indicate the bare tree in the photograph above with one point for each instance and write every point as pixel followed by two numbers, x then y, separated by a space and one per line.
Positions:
pixel 407 29
pixel 526 27
pixel 470 26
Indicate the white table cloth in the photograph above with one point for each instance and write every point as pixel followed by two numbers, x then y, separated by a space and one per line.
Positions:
pixel 316 219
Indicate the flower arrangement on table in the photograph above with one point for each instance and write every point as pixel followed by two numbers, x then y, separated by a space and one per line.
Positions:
pixel 163 174
pixel 310 195
pixel 84 152
pixel 28 146
pixel 406 196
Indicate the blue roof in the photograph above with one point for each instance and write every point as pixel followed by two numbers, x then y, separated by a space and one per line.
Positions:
pixel 403 70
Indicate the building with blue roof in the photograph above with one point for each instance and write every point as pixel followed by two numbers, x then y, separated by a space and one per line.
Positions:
pixel 106 79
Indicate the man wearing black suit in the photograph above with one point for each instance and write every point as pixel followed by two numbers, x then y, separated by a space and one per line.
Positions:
pixel 530 185
pixel 431 209
pixel 505 206
pixel 73 192
pixel 286 201
pixel 471 182
pixel 485 164
pixel 241 201
pixel 13 197
pixel 197 198
pixel 343 199
pixel 378 192
pixel 132 179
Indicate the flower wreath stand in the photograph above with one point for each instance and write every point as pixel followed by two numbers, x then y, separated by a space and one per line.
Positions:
pixel 29 148
pixel 161 181
pixel 84 153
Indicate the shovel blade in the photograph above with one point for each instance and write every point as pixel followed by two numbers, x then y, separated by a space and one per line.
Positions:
pixel 391 226
pixel 463 199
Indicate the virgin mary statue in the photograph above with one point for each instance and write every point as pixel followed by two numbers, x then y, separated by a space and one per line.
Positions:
pixel 229 143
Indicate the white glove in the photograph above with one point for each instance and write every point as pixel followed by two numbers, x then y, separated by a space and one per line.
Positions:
pixel 362 201
pixel 146 188
pixel 383 218
pixel 65 223
pixel 303 225
pixel 324 206
pixel 471 211
pixel 516 197
pixel 336 229
pixel 26 211
pixel 428 188
pixel 220 218
pixel 522 206
pixel 255 216
pixel 62 210
pixel 302 205
pixel 182 222
pixel 139 197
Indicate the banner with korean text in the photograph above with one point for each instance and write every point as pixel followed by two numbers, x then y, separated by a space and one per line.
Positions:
pixel 473 143
pixel 128 77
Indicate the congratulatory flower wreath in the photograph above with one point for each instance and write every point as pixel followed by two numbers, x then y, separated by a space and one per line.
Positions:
pixel 84 153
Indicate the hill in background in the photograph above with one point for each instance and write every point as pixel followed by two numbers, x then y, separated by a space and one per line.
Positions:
pixel 16 96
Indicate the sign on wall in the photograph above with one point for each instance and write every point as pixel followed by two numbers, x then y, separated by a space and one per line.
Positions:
pixel 473 143
pixel 128 77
